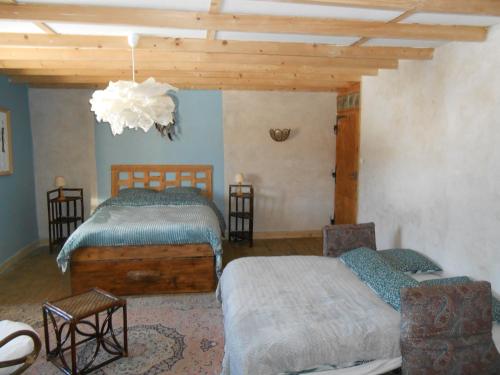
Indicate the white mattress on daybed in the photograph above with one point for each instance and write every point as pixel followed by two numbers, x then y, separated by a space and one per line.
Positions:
pixel 300 313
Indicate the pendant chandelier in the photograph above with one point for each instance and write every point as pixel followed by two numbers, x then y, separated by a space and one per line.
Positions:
pixel 128 104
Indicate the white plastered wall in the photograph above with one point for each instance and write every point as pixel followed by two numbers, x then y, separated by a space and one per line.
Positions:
pixel 430 150
pixel 292 179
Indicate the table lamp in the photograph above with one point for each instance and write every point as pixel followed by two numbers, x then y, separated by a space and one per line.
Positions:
pixel 60 183
pixel 239 180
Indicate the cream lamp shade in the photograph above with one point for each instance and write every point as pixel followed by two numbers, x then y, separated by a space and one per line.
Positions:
pixel 238 178
pixel 60 181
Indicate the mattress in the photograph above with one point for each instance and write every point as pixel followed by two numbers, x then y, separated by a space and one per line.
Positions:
pixel 303 314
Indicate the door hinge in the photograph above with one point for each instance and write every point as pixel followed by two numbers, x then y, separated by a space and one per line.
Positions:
pixel 336 127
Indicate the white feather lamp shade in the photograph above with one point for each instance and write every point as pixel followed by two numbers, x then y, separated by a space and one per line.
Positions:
pixel 127 104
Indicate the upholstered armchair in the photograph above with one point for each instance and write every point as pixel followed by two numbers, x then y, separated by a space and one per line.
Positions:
pixel 19 347
pixel 446 330
pixel 337 239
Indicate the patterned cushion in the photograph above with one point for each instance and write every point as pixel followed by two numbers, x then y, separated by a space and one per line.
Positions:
pixel 338 239
pixel 374 270
pixel 495 302
pixel 183 190
pixel 136 193
pixel 406 260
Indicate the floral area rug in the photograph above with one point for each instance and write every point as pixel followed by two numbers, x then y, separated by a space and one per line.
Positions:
pixel 172 334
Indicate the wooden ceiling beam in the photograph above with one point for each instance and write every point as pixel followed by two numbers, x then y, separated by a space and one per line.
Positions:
pixel 146 55
pixel 214 8
pixel 183 66
pixel 237 22
pixel 169 74
pixel 478 7
pixel 213 46
pixel 238 87
pixel 200 82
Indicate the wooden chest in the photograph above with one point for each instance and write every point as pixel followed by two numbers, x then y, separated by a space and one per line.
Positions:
pixel 132 270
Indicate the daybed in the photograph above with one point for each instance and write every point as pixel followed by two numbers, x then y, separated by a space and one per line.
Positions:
pixel 303 314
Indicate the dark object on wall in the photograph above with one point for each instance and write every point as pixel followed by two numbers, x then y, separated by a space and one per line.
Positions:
pixel 166 130
pixel 279 135
pixel 338 239
pixel 27 360
pixel 447 330
pixel 65 214
pixel 87 309
pixel 241 213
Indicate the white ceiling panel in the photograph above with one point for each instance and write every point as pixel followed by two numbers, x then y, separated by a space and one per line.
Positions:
pixel 18 27
pixel 87 29
pixel 304 10
pixel 294 38
pixel 452 19
pixel 194 5
pixel 404 43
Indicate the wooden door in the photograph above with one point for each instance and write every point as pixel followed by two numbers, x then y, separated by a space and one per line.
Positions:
pixel 347 157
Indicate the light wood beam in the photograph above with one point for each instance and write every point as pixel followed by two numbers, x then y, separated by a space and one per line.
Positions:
pixel 191 83
pixel 214 46
pixel 146 55
pixel 182 66
pixel 238 22
pixel 45 28
pixel 214 8
pixel 399 18
pixel 479 7
pixel 172 74
pixel 187 87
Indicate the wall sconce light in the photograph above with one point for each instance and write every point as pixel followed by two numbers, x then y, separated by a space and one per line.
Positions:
pixel 279 135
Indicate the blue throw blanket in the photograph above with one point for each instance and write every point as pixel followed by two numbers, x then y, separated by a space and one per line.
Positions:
pixel 150 218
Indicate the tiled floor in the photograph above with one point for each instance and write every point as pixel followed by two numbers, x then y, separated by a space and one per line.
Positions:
pixel 36 278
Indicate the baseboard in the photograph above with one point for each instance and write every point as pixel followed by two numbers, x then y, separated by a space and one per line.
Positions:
pixel 23 253
pixel 292 234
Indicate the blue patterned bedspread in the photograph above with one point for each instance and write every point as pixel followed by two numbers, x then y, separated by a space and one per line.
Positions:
pixel 150 218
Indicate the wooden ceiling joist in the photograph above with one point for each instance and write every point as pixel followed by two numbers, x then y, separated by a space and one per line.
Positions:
pixel 479 7
pixel 201 82
pixel 168 75
pixel 145 55
pixel 238 22
pixel 182 66
pixel 214 46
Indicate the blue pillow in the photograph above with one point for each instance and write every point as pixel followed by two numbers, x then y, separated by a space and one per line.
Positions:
pixel 183 190
pixel 378 274
pixel 407 260
pixel 495 303
pixel 136 193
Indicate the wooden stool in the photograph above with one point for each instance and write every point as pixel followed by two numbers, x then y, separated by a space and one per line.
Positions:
pixel 72 312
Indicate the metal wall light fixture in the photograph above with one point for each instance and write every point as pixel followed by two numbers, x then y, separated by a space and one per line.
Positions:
pixel 279 135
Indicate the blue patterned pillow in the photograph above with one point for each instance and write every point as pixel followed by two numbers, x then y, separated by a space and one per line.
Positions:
pixel 378 274
pixel 495 303
pixel 136 193
pixel 406 260
pixel 183 190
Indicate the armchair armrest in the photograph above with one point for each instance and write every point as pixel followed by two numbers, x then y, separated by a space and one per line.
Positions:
pixel 337 239
pixel 27 360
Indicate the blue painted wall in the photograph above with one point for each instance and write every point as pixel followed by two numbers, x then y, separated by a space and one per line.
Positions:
pixel 18 227
pixel 200 141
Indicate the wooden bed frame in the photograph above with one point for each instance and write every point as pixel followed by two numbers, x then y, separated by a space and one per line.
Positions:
pixel 129 270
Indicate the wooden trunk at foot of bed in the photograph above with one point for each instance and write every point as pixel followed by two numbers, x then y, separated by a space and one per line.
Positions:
pixel 129 270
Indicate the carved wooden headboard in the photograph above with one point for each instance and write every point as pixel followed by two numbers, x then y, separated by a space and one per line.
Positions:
pixel 160 177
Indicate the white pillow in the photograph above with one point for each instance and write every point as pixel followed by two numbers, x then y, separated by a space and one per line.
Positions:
pixel 19 347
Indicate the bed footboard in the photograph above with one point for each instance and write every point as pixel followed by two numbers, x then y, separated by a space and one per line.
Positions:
pixel 132 270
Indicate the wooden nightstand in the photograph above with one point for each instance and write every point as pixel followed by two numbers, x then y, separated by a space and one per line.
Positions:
pixel 241 213
pixel 65 214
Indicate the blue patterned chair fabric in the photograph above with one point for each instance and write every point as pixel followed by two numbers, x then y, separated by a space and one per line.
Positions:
pixel 337 239
pixel 447 330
